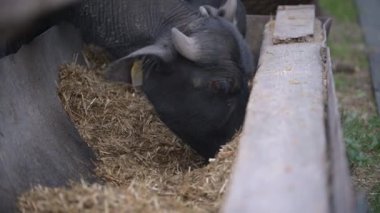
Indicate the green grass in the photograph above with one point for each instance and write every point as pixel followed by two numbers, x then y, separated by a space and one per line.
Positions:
pixel 375 199
pixel 362 139
pixel 346 40
pixel 346 52
pixel 342 10
pixel 361 134
pixel 342 82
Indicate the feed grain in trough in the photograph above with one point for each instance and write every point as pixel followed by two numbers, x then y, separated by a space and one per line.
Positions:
pixel 144 166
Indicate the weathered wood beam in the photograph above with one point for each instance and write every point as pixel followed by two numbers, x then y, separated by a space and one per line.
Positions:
pixel 294 23
pixel 342 195
pixel 254 35
pixel 291 158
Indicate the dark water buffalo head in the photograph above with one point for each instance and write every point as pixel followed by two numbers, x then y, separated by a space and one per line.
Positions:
pixel 197 80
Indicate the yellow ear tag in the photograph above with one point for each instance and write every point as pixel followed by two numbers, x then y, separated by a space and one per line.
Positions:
pixel 137 73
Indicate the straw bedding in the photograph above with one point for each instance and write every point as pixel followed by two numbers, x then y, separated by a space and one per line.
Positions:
pixel 144 166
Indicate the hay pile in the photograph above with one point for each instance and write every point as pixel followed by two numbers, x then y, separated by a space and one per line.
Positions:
pixel 144 166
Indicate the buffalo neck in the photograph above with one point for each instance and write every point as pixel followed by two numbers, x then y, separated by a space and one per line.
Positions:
pixel 123 26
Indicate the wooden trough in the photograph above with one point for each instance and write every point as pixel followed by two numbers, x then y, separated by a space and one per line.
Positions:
pixel 291 156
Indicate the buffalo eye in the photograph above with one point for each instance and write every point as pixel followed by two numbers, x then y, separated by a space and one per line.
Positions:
pixel 223 86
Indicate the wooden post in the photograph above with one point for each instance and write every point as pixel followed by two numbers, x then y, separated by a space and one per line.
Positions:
pixel 290 156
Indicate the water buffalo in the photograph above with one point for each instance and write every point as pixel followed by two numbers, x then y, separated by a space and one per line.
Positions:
pixel 240 11
pixel 196 64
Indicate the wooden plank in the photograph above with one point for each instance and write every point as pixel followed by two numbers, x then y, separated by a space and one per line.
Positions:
pixel 283 146
pixel 369 20
pixel 342 195
pixel 282 160
pixel 294 23
pixel 38 142
pixel 282 149
pixel 255 28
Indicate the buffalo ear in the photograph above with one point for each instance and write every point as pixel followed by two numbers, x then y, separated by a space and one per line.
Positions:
pixel 207 11
pixel 227 11
pixel 120 70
